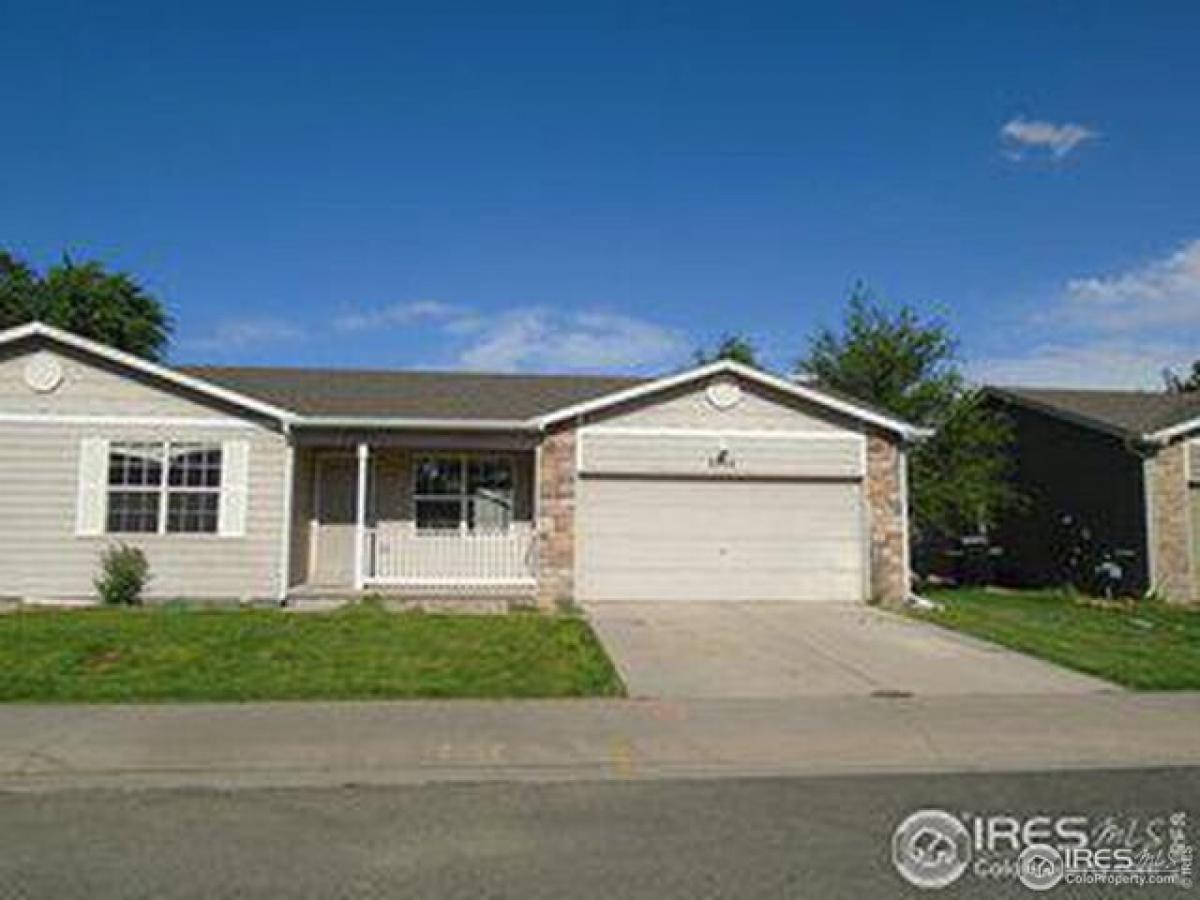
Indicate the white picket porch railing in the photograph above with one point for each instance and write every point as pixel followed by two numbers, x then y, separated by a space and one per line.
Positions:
pixel 401 555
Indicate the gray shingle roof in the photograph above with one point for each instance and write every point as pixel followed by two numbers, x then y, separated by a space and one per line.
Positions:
pixel 1132 413
pixel 410 394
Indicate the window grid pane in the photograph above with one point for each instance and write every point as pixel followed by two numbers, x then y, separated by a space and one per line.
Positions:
pixel 194 512
pixel 135 464
pixel 439 513
pixel 439 476
pixel 133 512
pixel 195 466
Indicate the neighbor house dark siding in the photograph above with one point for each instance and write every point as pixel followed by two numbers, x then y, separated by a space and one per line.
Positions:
pixel 1066 469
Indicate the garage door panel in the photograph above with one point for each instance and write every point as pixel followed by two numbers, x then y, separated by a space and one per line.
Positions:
pixel 694 509
pixel 719 539
pixel 717 554
pixel 657 585
pixel 687 529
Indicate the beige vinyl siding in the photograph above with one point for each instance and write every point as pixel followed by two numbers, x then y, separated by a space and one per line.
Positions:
pixel 665 539
pixel 760 409
pixel 1194 462
pixel 721 454
pixel 92 387
pixel 41 555
pixel 41 436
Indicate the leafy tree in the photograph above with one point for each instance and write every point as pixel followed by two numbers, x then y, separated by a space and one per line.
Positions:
pixel 85 298
pixel 737 347
pixel 1183 384
pixel 18 285
pixel 894 359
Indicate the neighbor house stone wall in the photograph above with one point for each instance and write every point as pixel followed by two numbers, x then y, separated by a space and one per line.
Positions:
pixel 1170 531
pixel 886 508
pixel 556 519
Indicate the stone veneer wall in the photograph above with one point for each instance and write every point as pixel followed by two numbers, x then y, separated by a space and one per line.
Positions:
pixel 1170 532
pixel 556 519
pixel 885 502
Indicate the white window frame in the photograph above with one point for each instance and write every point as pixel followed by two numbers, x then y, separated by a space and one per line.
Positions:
pixel 164 488
pixel 148 489
pixel 463 497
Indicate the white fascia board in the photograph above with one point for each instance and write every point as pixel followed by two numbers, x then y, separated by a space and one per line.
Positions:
pixel 415 424
pixel 750 374
pixel 129 361
pixel 1169 434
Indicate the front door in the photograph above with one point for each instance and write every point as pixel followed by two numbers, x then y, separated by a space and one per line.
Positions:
pixel 337 482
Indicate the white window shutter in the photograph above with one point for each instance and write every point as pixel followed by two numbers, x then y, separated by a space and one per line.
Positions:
pixel 235 473
pixel 91 504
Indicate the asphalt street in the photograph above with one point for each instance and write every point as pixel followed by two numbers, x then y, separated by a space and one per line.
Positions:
pixel 822 837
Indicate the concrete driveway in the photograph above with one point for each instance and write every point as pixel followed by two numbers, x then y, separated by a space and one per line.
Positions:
pixel 677 650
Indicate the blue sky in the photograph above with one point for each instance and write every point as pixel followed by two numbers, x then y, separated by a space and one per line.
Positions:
pixel 603 186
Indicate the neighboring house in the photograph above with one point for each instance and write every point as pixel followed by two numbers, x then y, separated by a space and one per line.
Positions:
pixel 719 483
pixel 1124 465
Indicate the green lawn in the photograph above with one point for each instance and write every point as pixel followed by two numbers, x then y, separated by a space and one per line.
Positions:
pixel 192 654
pixel 1149 647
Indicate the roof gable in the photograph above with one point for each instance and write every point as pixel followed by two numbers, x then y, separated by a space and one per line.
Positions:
pixel 851 408
pixel 38 331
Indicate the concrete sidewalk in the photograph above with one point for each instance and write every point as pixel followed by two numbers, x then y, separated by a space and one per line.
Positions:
pixel 278 744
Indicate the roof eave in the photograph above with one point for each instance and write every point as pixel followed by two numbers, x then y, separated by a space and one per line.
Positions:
pixel 1066 415
pixel 1164 435
pixel 415 424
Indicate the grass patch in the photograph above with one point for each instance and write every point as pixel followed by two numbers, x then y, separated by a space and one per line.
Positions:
pixel 1148 646
pixel 117 655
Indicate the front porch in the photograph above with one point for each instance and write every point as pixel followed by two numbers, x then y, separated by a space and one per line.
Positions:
pixel 414 515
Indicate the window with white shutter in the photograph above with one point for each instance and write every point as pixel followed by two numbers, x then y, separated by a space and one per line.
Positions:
pixel 235 472
pixel 93 479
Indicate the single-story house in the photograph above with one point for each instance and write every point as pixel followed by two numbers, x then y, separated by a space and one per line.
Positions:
pixel 718 483
pixel 1124 466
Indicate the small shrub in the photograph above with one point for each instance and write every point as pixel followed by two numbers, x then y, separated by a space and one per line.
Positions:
pixel 124 573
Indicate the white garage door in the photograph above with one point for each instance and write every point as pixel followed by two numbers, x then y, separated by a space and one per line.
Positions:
pixel 719 539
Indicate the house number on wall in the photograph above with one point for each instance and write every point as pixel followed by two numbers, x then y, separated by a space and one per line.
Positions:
pixel 722 459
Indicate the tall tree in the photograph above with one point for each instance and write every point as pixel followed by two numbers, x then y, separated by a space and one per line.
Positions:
pixel 1182 384
pixel 87 299
pixel 908 365
pixel 18 285
pixel 733 346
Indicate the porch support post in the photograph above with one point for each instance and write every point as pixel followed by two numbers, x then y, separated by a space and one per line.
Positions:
pixel 360 518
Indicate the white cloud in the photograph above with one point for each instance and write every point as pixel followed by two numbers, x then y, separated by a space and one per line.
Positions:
pixel 1116 363
pixel 238 334
pixel 1117 330
pixel 405 313
pixel 1162 293
pixel 1031 134
pixel 537 338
